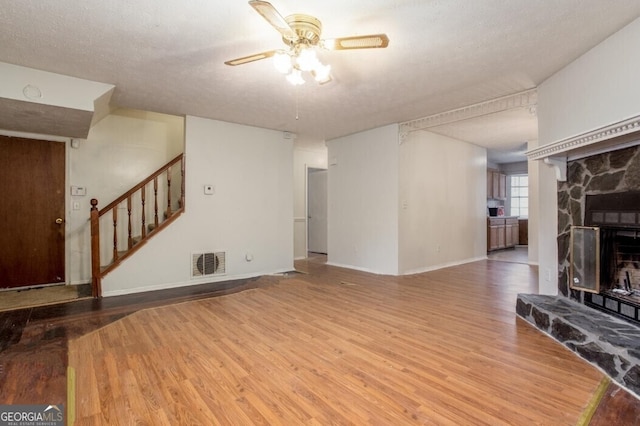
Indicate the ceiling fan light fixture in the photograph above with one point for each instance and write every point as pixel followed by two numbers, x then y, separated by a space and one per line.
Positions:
pixel 282 62
pixel 295 77
pixel 307 59
pixel 302 34
pixel 322 73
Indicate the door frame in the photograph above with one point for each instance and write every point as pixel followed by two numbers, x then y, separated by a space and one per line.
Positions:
pixel 306 204
pixel 67 173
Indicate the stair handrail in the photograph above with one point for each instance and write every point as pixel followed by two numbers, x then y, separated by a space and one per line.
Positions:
pixel 97 272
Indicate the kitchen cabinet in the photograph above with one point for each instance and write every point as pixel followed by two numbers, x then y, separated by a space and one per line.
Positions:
pixel 523 232
pixel 496 185
pixel 502 232
pixel 495 233
pixel 511 232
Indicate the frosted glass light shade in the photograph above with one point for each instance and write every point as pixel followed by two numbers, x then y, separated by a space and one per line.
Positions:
pixel 295 78
pixel 321 73
pixel 282 62
pixel 307 59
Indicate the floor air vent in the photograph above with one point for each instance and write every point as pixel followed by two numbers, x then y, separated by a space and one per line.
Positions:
pixel 203 264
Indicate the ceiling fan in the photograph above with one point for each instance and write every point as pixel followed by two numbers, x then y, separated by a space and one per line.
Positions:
pixel 301 33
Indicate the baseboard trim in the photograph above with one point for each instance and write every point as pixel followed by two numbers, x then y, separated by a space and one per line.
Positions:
pixel 206 280
pixel 443 265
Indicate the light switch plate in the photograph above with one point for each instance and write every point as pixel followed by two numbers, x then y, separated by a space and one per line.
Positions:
pixel 209 189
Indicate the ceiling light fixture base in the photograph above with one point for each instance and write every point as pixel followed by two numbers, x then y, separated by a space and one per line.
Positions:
pixel 306 27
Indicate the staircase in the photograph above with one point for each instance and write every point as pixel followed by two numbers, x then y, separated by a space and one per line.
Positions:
pixel 124 225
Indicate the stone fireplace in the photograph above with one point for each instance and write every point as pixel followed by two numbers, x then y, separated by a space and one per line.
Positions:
pixel 601 325
pixel 603 191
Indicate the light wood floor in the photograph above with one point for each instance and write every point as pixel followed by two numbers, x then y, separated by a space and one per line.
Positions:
pixel 334 346
pixel 518 254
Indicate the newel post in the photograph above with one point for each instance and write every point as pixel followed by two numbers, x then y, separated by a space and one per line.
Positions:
pixel 96 286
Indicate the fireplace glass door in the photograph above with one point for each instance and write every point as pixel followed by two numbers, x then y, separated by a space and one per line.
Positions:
pixel 585 259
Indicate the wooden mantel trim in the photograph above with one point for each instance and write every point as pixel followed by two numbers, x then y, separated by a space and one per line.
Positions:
pixel 600 134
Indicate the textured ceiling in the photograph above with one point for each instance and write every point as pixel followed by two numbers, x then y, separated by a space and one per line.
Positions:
pixel 167 56
pixel 506 133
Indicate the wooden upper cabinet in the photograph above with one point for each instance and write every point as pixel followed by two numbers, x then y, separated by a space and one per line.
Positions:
pixel 496 185
pixel 502 186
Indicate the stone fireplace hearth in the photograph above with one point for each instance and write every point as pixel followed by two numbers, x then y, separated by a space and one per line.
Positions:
pixel 610 343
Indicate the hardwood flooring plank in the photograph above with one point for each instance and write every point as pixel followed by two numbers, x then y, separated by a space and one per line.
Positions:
pixel 332 346
pixel 314 350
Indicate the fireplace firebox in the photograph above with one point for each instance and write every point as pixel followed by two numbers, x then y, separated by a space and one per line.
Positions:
pixel 605 254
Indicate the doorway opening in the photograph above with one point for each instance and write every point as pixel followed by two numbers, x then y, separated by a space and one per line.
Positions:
pixel 317 243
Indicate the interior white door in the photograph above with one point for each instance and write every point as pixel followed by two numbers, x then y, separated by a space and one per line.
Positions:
pixel 317 210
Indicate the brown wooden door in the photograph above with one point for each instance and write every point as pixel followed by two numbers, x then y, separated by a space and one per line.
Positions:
pixel 32 182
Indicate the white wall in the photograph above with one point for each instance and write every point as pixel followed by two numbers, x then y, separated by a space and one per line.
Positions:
pixel 599 88
pixel 443 200
pixel 303 158
pixel 251 211
pixel 547 230
pixel 120 151
pixel 534 210
pixel 363 200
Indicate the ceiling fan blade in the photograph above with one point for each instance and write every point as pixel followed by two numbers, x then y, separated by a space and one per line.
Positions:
pixel 272 16
pixel 358 42
pixel 251 58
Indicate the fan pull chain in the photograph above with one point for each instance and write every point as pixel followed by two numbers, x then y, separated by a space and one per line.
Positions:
pixel 297 97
